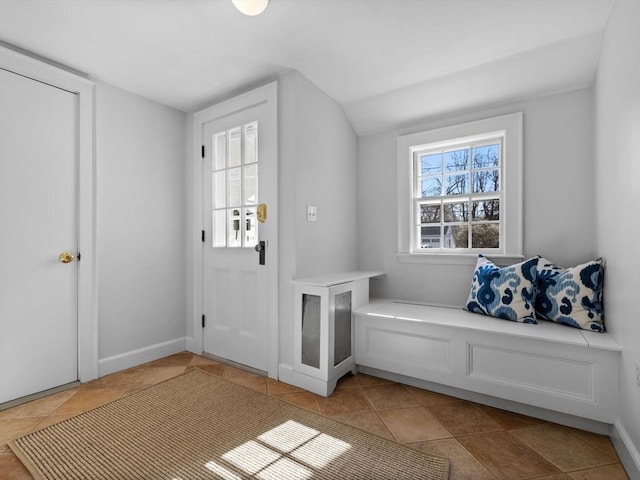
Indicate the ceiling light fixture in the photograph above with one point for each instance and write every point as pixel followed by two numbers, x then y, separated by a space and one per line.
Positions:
pixel 251 7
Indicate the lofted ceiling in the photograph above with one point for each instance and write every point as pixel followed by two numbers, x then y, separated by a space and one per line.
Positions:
pixel 388 62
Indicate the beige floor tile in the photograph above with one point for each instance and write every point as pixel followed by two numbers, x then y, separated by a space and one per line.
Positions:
pixel 367 421
pixel 306 400
pixel 609 472
pixel 562 447
pixel 38 408
pixel 276 388
pixel 12 469
pixel 599 441
pixel 348 381
pixel 246 379
pixel 153 375
pixel 197 361
pixel 213 368
pixel 509 420
pixel 363 380
pixel 428 398
pixel 464 418
pixel 86 400
pixel 414 424
pixel 10 429
pixel 507 457
pixel 178 360
pixel 462 465
pixel 116 380
pixel 558 476
pixel 384 397
pixel 345 400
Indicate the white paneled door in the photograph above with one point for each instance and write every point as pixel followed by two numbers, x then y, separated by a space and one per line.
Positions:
pixel 240 172
pixel 38 236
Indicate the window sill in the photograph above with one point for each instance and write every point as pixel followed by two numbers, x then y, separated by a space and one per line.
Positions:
pixel 456 258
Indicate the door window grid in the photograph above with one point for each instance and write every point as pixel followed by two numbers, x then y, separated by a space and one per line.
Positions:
pixel 235 186
pixel 457 196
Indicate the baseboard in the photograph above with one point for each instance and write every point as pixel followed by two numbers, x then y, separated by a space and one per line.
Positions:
pixel 627 450
pixel 130 359
pixel 288 375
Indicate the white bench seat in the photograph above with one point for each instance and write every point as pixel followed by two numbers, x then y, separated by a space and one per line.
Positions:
pixel 547 365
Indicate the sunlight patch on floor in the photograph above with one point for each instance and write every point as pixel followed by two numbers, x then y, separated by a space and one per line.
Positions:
pixel 290 450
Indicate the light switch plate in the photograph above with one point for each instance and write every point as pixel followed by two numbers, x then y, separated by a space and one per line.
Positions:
pixel 312 213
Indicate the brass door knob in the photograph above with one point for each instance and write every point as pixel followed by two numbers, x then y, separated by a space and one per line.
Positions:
pixel 66 257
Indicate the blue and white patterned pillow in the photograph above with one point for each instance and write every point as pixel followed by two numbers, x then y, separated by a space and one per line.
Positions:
pixel 507 293
pixel 571 296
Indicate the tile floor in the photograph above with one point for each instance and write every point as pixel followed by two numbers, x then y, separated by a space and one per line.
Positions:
pixel 482 443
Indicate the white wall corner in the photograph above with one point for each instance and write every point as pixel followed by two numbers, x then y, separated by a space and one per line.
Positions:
pixel 627 450
pixel 133 358
pixel 190 346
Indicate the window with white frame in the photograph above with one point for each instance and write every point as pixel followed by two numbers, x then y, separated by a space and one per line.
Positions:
pixel 460 190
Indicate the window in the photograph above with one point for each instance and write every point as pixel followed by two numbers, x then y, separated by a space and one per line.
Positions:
pixel 460 190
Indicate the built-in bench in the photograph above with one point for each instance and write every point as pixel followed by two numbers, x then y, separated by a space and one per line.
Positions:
pixel 547 365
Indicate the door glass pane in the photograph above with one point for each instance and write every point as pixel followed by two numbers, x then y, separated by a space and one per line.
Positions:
pixel 219 189
pixel 219 150
pixel 310 330
pixel 251 184
pixel 219 230
pixel 235 147
pixel 342 328
pixel 251 143
pixel 235 186
pixel 234 239
pixel 250 227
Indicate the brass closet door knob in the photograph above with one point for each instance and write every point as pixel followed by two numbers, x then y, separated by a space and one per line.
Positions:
pixel 66 257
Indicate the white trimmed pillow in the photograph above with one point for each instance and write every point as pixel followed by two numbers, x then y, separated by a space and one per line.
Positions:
pixel 507 293
pixel 571 296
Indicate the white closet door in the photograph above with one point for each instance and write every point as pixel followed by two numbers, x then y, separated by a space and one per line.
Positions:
pixel 38 223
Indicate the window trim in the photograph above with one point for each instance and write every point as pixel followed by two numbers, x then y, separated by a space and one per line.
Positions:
pixel 509 126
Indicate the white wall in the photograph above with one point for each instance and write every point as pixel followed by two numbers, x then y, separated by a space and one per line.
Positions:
pixel 617 129
pixel 558 197
pixel 317 166
pixel 141 228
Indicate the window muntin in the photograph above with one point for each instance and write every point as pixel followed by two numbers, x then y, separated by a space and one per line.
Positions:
pixel 235 186
pixel 457 195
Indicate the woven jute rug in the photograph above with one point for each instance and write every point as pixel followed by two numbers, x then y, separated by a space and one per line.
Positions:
pixel 198 426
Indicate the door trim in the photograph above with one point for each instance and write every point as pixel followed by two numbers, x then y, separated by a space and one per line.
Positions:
pixel 266 94
pixel 23 64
